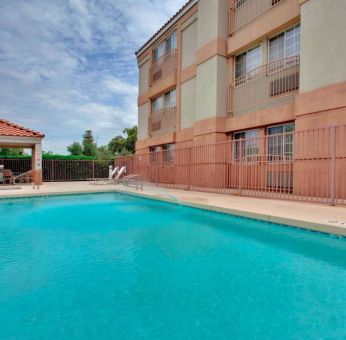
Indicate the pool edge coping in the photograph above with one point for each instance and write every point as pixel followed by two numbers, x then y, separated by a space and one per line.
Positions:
pixel 289 222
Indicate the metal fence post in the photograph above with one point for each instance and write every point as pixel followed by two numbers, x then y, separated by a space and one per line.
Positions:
pixel 157 168
pixel 52 170
pixel 189 169
pixel 333 165
pixel 240 174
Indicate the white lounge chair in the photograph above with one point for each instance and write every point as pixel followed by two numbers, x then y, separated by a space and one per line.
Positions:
pixel 110 179
pixel 98 180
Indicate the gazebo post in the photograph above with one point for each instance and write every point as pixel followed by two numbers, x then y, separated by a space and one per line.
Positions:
pixel 36 162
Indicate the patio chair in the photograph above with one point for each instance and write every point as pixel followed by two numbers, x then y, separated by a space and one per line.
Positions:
pixel 114 180
pixel 111 176
pixel 8 177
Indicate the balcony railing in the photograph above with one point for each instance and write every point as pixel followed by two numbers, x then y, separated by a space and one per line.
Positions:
pixel 162 121
pixel 266 83
pixel 163 66
pixel 244 11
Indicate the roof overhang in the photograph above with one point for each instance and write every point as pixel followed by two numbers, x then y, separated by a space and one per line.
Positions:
pixel 19 142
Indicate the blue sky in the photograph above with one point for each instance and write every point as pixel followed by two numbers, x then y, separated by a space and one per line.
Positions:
pixel 69 65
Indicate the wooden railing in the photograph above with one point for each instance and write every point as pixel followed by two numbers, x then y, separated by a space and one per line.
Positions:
pixel 162 121
pixel 163 66
pixel 266 83
pixel 244 11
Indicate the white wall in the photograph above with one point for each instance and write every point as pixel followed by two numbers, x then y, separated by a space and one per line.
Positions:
pixel 143 78
pixel 143 121
pixel 323 43
pixel 189 44
pixel 211 89
pixel 212 20
pixel 188 103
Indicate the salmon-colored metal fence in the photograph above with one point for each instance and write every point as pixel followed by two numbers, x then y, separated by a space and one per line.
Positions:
pixel 163 66
pixel 62 170
pixel 162 121
pixel 303 165
pixel 266 83
pixel 244 11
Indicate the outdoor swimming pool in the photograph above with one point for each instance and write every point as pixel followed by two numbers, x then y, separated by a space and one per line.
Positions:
pixel 111 266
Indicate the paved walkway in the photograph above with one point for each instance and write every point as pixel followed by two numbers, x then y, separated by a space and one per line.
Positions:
pixel 305 215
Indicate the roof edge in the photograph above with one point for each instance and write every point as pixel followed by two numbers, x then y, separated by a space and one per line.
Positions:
pixel 20 127
pixel 183 10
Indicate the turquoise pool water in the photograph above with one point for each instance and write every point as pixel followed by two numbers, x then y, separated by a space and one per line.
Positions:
pixel 110 266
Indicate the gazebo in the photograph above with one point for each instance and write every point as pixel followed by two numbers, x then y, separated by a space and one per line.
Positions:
pixel 16 136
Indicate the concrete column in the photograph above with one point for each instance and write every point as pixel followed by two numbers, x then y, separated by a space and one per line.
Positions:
pixel 212 21
pixel 36 157
pixel 212 67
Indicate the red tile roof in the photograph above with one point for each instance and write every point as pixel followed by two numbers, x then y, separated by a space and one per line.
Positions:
pixel 10 129
pixel 166 24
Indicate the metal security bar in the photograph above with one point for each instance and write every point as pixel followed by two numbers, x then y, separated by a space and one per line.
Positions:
pixel 162 121
pixel 244 11
pixel 163 66
pixel 303 165
pixel 270 82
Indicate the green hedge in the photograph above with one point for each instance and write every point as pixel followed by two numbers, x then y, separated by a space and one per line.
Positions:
pixel 50 157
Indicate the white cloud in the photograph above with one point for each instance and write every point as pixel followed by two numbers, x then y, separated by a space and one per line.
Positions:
pixel 67 66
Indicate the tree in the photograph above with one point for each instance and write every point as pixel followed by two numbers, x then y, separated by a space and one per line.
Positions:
pixel 116 145
pixel 89 145
pixel 103 152
pixel 131 138
pixel 75 149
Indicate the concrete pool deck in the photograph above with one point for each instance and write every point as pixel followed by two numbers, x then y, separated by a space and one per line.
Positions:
pixel 311 216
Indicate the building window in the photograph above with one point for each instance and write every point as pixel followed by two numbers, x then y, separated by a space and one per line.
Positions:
pixel 248 61
pixel 168 153
pixel 171 42
pixel 246 145
pixel 168 100
pixel 285 44
pixel 159 51
pixel 166 46
pixel 281 143
pixel 154 152
pixel 158 104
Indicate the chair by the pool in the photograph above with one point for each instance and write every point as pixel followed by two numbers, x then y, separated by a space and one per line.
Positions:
pixel 27 177
pixel 8 176
pixel 111 179
pixel 96 180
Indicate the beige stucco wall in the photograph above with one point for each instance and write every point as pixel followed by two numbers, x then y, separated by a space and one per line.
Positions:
pixel 211 88
pixel 143 78
pixel 323 47
pixel 212 20
pixel 143 121
pixel 189 44
pixel 188 103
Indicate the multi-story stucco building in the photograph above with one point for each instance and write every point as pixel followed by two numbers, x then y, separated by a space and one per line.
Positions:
pixel 227 69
